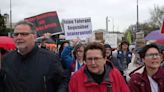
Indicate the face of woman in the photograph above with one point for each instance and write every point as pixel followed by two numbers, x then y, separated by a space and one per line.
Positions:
pixel 152 58
pixel 80 53
pixel 108 52
pixel 124 46
pixel 95 61
pixel 66 44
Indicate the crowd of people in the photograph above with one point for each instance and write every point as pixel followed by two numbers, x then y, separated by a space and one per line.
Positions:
pixel 78 66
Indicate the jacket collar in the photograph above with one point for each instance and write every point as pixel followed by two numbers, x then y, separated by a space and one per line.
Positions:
pixel 105 78
pixel 142 73
pixel 31 53
pixel 158 75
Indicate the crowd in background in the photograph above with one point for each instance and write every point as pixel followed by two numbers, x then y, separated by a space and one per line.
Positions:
pixel 75 66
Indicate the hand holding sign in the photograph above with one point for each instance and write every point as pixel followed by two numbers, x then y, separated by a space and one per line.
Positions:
pixel 47 35
pixel 73 42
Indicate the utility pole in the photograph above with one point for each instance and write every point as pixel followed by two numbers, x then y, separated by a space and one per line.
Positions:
pixel 113 23
pixel 137 24
pixel 140 42
pixel 10 15
pixel 9 33
pixel 107 23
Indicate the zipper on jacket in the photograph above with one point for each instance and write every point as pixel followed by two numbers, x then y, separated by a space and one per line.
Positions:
pixel 4 77
pixel 45 85
pixel 109 87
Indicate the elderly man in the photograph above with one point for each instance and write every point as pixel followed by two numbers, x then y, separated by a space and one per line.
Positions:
pixel 29 68
pixel 97 75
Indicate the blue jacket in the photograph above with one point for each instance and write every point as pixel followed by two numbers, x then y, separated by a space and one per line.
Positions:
pixel 67 57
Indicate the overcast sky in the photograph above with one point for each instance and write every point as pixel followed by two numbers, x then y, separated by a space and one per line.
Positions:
pixel 121 13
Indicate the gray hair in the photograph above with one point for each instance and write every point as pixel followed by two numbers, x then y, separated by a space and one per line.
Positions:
pixel 31 25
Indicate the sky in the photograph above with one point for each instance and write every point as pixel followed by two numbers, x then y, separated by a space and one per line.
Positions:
pixel 121 13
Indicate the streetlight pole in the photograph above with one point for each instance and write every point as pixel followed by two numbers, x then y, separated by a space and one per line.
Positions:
pixel 9 33
pixel 137 24
pixel 10 15
pixel 113 23
pixel 107 23
pixel 107 20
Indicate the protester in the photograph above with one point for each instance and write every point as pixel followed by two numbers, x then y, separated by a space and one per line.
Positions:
pixel 43 43
pixel 52 47
pixel 150 77
pixel 110 57
pixel 78 54
pixel 3 52
pixel 73 61
pixel 0 58
pixel 135 63
pixel 96 75
pixel 63 44
pixel 124 56
pixel 162 62
pixel 29 68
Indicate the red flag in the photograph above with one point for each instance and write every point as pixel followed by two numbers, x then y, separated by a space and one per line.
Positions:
pixel 162 29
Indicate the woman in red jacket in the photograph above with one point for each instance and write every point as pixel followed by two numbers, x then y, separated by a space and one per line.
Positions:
pixel 96 75
pixel 150 77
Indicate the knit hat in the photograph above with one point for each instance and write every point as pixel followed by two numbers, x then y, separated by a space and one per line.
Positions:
pixel 107 46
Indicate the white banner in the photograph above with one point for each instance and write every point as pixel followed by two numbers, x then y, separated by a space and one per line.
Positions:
pixel 111 39
pixel 77 28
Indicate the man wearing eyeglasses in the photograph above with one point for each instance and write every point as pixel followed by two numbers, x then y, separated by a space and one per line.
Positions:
pixel 29 68
pixel 150 77
pixel 97 75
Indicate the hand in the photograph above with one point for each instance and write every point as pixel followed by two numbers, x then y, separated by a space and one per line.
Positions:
pixel 73 42
pixel 47 35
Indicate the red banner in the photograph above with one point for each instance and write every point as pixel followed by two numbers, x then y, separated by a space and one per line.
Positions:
pixel 162 28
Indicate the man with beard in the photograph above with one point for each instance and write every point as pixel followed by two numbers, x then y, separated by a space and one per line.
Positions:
pixel 29 68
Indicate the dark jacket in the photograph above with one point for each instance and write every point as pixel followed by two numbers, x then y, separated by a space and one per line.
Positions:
pixel 124 59
pixel 82 81
pixel 139 81
pixel 162 64
pixel 115 62
pixel 38 71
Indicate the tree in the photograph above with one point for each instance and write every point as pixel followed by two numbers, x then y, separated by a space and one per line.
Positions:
pixel 132 30
pixel 154 23
pixel 3 29
pixel 157 16
pixel 2 23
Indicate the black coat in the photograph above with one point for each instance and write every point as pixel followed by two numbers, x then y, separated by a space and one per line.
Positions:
pixel 39 71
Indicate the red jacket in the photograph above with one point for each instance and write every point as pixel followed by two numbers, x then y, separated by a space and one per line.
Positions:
pixel 81 81
pixel 139 82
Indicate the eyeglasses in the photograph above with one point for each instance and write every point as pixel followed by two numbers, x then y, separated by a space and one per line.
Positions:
pixel 152 55
pixel 93 59
pixel 80 51
pixel 22 34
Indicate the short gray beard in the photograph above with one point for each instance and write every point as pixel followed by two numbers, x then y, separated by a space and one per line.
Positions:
pixel 22 51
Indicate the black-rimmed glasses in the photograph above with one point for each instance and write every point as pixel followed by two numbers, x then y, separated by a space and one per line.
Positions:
pixel 152 55
pixel 95 59
pixel 21 33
